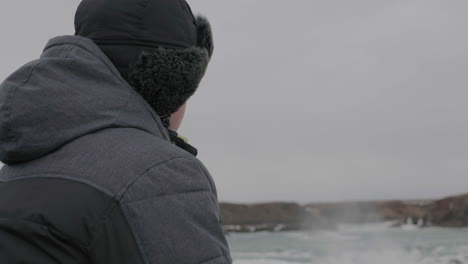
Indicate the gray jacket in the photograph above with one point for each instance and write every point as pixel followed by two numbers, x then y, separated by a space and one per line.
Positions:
pixel 91 175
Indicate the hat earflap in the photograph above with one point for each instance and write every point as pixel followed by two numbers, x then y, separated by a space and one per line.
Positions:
pixel 167 78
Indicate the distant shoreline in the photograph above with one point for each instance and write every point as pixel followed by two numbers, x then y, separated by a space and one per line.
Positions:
pixel 286 216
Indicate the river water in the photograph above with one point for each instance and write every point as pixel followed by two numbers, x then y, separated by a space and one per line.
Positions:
pixel 353 244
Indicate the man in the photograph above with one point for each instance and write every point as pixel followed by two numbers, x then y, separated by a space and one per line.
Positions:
pixel 94 172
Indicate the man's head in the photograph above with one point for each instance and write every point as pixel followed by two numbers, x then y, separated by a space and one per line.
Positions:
pixel 158 46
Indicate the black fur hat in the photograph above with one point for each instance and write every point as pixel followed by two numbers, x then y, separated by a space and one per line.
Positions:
pixel 158 46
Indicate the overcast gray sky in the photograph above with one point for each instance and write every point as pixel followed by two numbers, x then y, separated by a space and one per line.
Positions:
pixel 313 100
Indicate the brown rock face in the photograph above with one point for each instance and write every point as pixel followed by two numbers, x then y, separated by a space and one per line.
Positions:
pixel 256 214
pixel 398 210
pixel 271 217
pixel 450 212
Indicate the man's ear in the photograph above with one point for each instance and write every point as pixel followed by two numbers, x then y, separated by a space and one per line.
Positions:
pixel 177 117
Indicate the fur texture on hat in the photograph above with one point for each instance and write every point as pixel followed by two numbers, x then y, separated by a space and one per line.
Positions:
pixel 167 78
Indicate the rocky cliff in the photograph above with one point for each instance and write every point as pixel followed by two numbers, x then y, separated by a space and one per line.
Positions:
pixel 448 212
pixel 270 217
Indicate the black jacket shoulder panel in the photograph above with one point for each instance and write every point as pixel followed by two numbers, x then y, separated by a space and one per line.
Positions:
pixel 114 241
pixel 28 242
pixel 49 218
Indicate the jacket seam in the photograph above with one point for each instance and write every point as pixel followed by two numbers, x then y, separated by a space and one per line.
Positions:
pixel 61 176
pixel 168 195
pixel 122 193
pixel 210 183
pixel 82 246
pixel 213 259
pixel 137 241
pixel 72 48
pixel 206 176
pixel 98 226
pixel 12 93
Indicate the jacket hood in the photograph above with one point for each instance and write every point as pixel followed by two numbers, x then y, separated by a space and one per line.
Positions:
pixel 72 90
